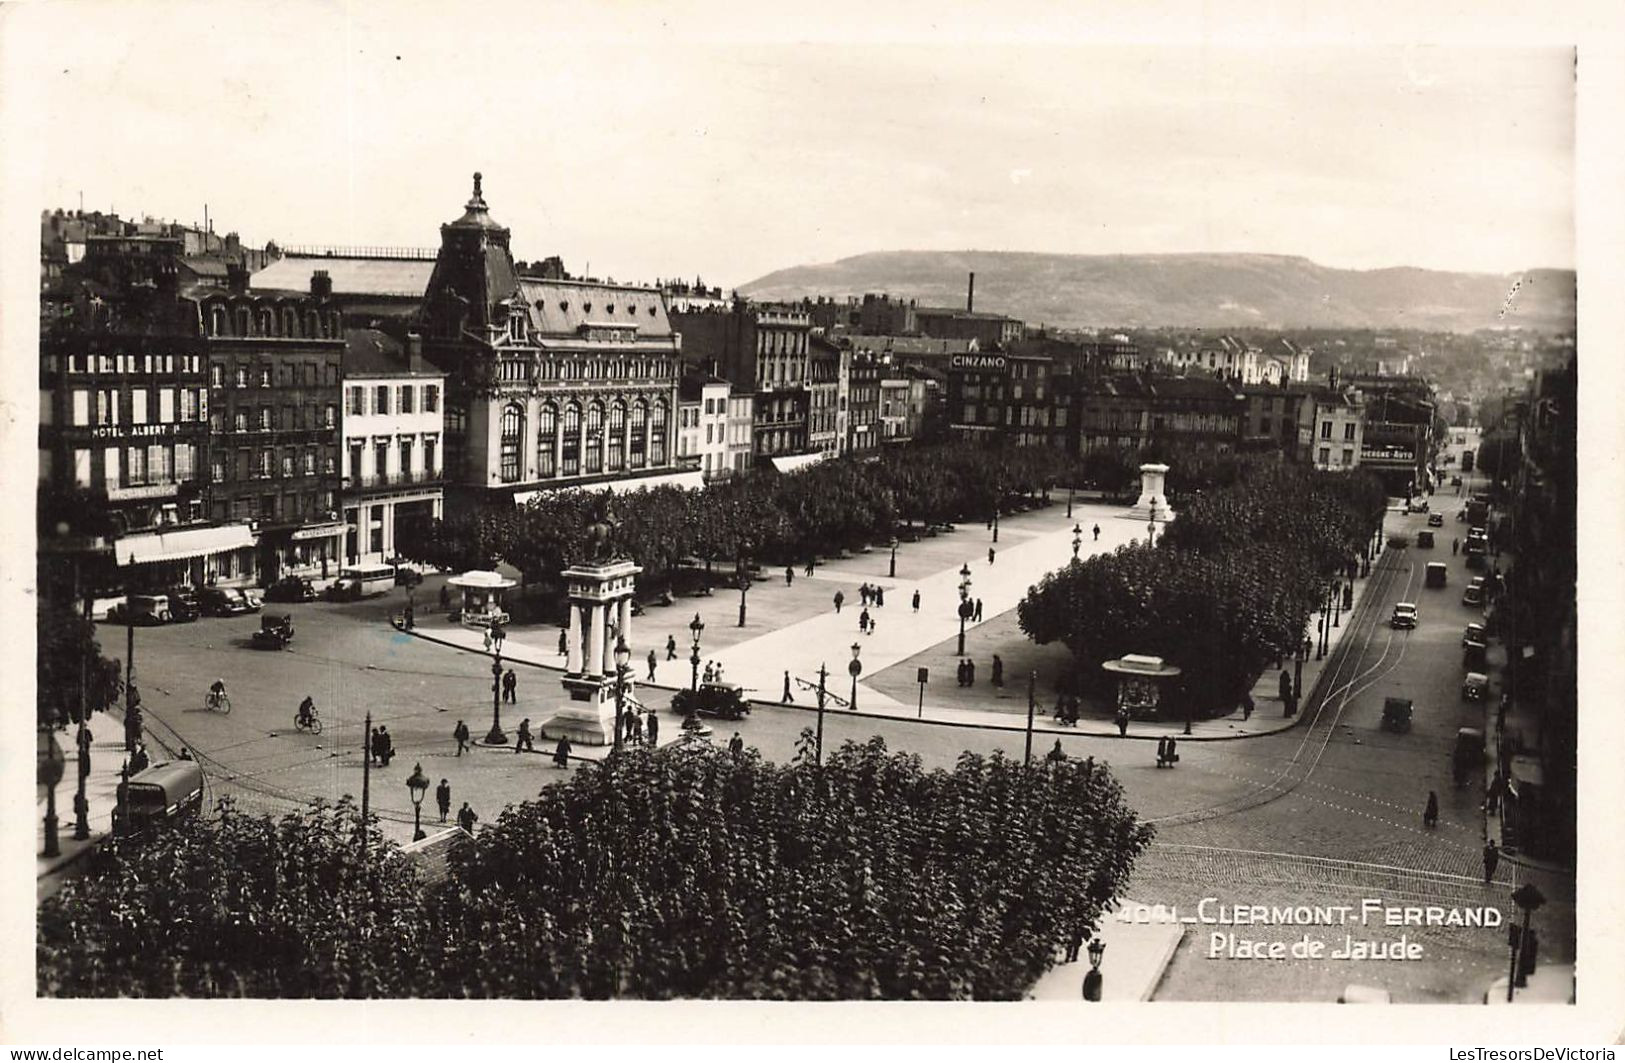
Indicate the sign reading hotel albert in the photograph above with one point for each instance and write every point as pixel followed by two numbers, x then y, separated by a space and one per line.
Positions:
pixel 995 363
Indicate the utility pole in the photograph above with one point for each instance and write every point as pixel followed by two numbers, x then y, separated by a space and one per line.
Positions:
pixel 366 776
pixel 1032 700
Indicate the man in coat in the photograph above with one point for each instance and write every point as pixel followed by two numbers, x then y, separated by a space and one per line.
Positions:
pixel 460 733
pixel 466 818
pixel 442 797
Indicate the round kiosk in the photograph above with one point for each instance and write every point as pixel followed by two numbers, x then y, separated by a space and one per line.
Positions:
pixel 481 597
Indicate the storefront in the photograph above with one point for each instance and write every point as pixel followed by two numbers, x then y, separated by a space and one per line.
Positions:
pixel 183 556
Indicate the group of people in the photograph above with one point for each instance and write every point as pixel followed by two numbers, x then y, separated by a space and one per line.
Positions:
pixel 510 688
pixel 381 746
pixel 712 673
pixel 1167 752
pixel 638 728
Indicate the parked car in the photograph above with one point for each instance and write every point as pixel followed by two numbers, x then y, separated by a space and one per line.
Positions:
pixel 1435 520
pixel 291 589
pixel 224 601
pixel 142 610
pixel 1424 539
pixel 1473 596
pixel 1404 615
pixel 276 631
pixel 1475 686
pixel 183 604
pixel 1473 633
pixel 1455 481
pixel 1396 715
pixel 723 700
pixel 1437 574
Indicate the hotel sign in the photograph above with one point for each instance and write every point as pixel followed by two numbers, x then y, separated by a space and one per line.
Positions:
pixel 121 431
pixel 995 363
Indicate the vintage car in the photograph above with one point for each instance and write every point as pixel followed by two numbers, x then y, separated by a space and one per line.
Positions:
pixel 1468 754
pixel 156 797
pixel 1473 595
pixel 224 601
pixel 1404 615
pixel 1473 633
pixel 1435 520
pixel 1476 686
pixel 183 604
pixel 1424 539
pixel 1396 715
pixel 1474 656
pixel 142 610
pixel 722 700
pixel 291 589
pixel 276 631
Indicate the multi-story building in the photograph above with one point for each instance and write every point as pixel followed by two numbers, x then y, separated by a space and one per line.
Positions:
pixel 1339 423
pixel 1282 361
pixel 124 409
pixel 902 405
pixel 1134 411
pixel 1397 437
pixel 882 315
pixel 763 349
pixel 741 424
pixel 863 405
pixel 550 383
pixel 1278 418
pixel 274 360
pixel 371 286
pixel 393 427
pixel 702 425
pixel 988 330
pixel 824 399
pixel 1013 396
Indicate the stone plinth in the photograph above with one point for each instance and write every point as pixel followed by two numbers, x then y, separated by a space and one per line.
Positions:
pixel 1153 501
pixel 600 613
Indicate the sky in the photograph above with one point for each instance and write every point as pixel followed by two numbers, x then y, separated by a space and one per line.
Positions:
pixel 641 141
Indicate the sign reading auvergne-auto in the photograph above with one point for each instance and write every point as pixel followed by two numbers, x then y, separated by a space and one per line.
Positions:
pixel 992 363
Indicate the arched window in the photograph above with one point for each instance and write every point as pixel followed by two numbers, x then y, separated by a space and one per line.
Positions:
pixel 617 437
pixel 242 321
pixel 217 320
pixel 290 322
pixel 640 433
pixel 595 439
pixel 547 454
pixel 571 458
pixel 267 323
pixel 657 434
pixel 513 431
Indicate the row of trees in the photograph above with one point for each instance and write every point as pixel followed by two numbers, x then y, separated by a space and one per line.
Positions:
pixel 786 519
pixel 680 873
pixel 1229 589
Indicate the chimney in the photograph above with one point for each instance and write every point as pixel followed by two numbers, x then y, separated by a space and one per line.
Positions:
pixel 237 277
pixel 414 351
pixel 321 284
pixel 970 295
pixel 1333 377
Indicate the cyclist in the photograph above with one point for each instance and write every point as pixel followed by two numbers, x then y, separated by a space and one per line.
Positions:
pixel 217 693
pixel 307 711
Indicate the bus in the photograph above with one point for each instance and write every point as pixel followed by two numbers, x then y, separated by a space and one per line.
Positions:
pixel 158 796
pixel 362 581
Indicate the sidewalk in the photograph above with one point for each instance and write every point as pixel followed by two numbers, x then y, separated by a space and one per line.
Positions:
pixel 758 660
pixel 1131 967
pixel 107 757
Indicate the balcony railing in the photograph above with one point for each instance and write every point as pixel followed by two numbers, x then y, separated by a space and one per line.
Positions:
pixel 394 479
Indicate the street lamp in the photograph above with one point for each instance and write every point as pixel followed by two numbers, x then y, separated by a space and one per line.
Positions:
pixel 855 669
pixel 742 569
pixel 1077 540
pixel 1094 980
pixel 1527 897
pixel 1069 501
pixel 1032 700
pixel 696 626
pixel 1337 603
pixel 1299 655
pixel 892 571
pixel 1151 528
pixel 417 784
pixel 48 770
pixel 965 606
pixel 818 739
pixel 496 737
pixel 1325 623
pixel 623 655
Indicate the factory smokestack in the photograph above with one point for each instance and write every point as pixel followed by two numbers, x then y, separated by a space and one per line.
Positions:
pixel 970 294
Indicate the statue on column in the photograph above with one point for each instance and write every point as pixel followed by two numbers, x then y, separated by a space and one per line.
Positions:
pixel 601 533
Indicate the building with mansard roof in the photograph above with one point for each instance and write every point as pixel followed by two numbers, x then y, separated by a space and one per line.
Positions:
pixel 551 383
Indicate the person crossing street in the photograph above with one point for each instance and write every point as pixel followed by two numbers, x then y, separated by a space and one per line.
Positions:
pixel 442 797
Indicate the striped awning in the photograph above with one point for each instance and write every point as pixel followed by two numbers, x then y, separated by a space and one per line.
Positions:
pixel 181 544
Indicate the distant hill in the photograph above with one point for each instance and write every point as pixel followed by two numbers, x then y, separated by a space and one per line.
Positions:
pixel 1198 290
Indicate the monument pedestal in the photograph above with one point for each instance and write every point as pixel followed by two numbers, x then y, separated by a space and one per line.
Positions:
pixel 1152 504
pixel 600 615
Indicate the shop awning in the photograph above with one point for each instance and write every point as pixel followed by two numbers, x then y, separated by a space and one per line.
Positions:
pixel 691 481
pixel 792 462
pixel 181 544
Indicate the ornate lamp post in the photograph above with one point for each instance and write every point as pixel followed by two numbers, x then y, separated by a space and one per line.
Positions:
pixel 1094 980
pixel 1325 623
pixel 1300 654
pixel 1069 501
pixel 417 784
pixel 965 606
pixel 48 770
pixel 496 737
pixel 1077 540
pixel 1337 603
pixel 818 738
pixel 1151 529
pixel 1032 701
pixel 743 573
pixel 892 571
pixel 696 627
pixel 1527 897
pixel 855 669
pixel 623 656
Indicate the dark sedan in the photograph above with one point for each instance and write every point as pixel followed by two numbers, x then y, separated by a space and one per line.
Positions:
pixel 224 601
pixel 291 589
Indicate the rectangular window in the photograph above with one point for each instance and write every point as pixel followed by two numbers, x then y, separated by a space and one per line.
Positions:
pixel 110 466
pixel 240 421
pixel 355 460
pixel 380 460
pixel 1325 456
pixel 265 376
pixel 266 457
pixel 290 417
pixel 183 462
pixel 138 406
pixel 1325 429
pixel 135 462
pixel 287 465
pixel 330 416
pixel 265 418
pixel 358 401
pixel 1348 432
pixel 381 399
pixel 217 470
pixel 1348 456
pixel 428 457
pixel 406 456
pixel 310 461
pixel 242 376
pixel 81 467
pixel 407 401
pixel 81 408
pixel 431 398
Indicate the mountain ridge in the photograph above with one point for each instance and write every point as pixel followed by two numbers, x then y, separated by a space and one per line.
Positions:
pixel 1190 289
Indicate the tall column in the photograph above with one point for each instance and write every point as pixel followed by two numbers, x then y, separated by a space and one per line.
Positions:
pixel 626 619
pixel 573 660
pixel 595 640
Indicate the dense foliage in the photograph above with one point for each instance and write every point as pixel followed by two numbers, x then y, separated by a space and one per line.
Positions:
pixel 1229 588
pixel 680 873
pixel 63 639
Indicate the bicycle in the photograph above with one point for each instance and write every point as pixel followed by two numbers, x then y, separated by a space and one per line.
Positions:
pixel 313 723
pixel 217 702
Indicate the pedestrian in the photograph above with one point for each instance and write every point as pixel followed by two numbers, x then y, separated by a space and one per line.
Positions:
pixel 1173 751
pixel 736 746
pixel 1430 814
pixel 1074 937
pixel 466 818
pixel 1492 858
pixel 789 575
pixel 442 797
pixel 998 670
pixel 916 601
pixel 653 660
pixel 787 699
pixel 564 642
pixel 880 597
pixel 978 617
pixel 460 733
pixel 653 727
pixel 970 671
pixel 1162 752
pixel 510 687
pixel 522 739
pixel 959 671
pixel 1122 723
pixel 407 617
pixel 839 598
pixel 139 761
pixel 718 673
pixel 811 561
pixel 863 595
pixel 561 753
pixel 1492 796
pixel 871 625
pixel 991 553
pixel 863 621
pixel 445 598
pixel 710 673
pixel 1286 685
pixel 1455 546
pixel 1056 755
pixel 1247 705
pixel 634 725
pixel 186 754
